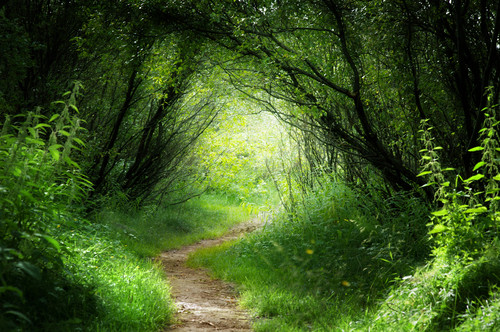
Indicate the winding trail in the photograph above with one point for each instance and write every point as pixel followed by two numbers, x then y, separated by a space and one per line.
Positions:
pixel 203 303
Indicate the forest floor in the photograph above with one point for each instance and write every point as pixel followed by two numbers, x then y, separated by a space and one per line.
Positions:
pixel 204 303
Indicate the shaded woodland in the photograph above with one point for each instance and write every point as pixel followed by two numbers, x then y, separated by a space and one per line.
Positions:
pixel 123 105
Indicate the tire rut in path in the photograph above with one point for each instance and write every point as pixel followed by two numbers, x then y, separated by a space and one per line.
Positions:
pixel 203 303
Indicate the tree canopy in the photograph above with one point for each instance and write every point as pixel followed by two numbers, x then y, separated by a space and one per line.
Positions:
pixel 149 103
pixel 359 76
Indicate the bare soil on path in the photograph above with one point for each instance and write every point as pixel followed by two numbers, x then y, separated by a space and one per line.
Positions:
pixel 203 303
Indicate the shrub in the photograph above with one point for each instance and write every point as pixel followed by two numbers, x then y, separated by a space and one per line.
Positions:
pixel 39 183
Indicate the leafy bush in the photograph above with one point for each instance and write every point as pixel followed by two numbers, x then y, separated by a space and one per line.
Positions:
pixel 39 183
pixel 464 274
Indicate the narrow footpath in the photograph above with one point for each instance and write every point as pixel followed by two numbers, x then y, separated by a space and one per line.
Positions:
pixel 203 303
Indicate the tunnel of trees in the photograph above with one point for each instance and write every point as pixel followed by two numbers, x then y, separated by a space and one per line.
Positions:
pixel 359 76
pixel 372 89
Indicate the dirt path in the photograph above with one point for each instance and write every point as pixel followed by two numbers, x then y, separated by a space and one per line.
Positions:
pixel 205 304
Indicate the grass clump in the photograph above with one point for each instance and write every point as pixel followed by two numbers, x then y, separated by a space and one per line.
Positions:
pixel 130 292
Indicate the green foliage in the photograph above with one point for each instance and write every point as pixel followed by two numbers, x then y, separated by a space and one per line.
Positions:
pixel 461 283
pixel 335 257
pixel 362 75
pixel 149 231
pixel 39 183
pixel 447 294
pixel 467 218
pixel 57 272
pixel 129 293
pixel 234 153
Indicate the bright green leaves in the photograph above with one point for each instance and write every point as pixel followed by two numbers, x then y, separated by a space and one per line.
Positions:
pixel 477 148
pixel 50 240
pixel 473 178
pixel 440 213
pixel 477 209
pixel 236 152
pixel 54 151
pixel 54 117
pixel 468 206
pixel 424 172
pixel 39 181
pixel 16 171
pixel 478 165
pixel 438 229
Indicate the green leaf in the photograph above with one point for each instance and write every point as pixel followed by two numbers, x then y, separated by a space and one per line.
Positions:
pixel 497 177
pixel 42 125
pixel 477 148
pixel 4 289
pixel 19 315
pixel 480 209
pixel 69 161
pixel 438 229
pixel 440 213
pixel 54 117
pixel 474 178
pixel 32 131
pixel 54 152
pixel 34 141
pixel 27 195
pixel 29 269
pixel 53 242
pixel 74 107
pixel 424 173
pixel 79 141
pixel 479 165
pixel 17 171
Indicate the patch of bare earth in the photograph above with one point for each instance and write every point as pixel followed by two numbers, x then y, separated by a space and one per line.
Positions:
pixel 203 303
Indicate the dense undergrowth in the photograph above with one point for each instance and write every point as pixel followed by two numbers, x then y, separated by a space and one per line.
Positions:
pixel 110 281
pixel 346 266
pixel 340 253
pixel 60 271
pixel 351 262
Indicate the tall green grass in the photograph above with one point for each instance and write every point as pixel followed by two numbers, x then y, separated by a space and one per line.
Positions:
pixel 128 293
pixel 330 265
pixel 149 232
pixel 112 257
